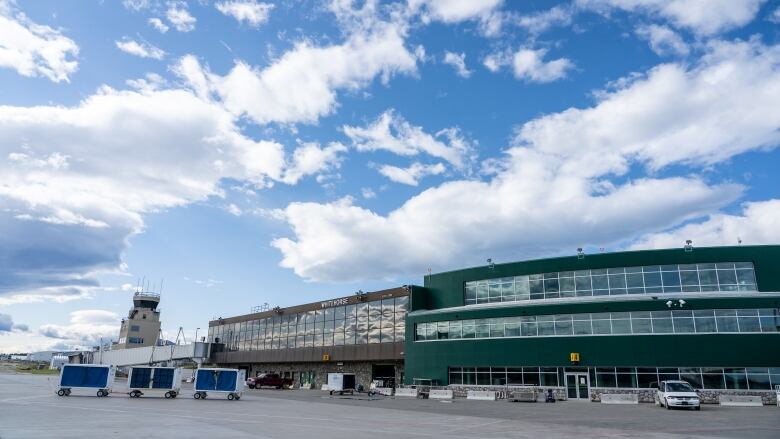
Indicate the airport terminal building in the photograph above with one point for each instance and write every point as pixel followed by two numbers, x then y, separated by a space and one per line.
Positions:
pixel 615 321
pixel 362 333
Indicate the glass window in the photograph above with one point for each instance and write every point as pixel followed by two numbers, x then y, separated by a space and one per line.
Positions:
pixel 600 282
pixel 727 277
pixel 683 321
pixel 454 331
pixel 704 321
pixel 528 326
pixel 726 319
pixel 671 280
pixel 621 323
pixel 735 378
pixel 469 329
pixel 758 379
pixel 617 280
pixel 747 319
pixel 582 327
pixel 563 324
pixel 537 289
pixel 546 325
pixel 482 329
pixel 601 323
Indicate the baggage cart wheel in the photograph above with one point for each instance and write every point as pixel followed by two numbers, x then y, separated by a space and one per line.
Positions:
pixel 100 393
pixel 174 394
pixel 237 397
pixel 67 392
pixel 167 395
pixel 61 392
pixel 196 395
pixel 231 396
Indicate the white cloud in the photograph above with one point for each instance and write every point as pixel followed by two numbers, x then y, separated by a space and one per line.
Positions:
pixel 179 16
pixel 454 11
pixel 135 5
pixel 158 24
pixel 759 223
pixel 458 62
pixel 529 65
pixel 76 181
pixel 705 17
pixel 725 105
pixel 563 184
pixel 142 49
pixel 391 132
pixel 411 175
pixel 663 40
pixel 85 329
pixel 7 325
pixel 33 49
pixel 302 85
pixel 310 159
pixel 538 22
pixel 234 209
pixel 775 17
pixel 367 193
pixel 249 11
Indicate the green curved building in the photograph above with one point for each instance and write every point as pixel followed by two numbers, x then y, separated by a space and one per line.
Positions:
pixel 625 320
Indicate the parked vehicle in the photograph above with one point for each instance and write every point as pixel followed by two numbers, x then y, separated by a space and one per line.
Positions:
pixel 268 380
pixel 675 393
pixel 342 383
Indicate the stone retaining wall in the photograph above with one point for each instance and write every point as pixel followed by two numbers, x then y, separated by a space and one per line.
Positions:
pixel 460 390
pixel 768 397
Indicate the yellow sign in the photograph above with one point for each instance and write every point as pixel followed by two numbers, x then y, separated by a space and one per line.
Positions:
pixel 574 357
pixel 325 357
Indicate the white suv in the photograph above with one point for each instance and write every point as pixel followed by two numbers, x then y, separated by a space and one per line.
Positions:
pixel 677 394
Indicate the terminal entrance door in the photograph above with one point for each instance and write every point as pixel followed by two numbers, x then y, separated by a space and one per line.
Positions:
pixel 577 386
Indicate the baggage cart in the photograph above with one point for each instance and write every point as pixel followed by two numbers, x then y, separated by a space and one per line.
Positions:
pixel 91 377
pixel 341 383
pixel 143 379
pixel 228 382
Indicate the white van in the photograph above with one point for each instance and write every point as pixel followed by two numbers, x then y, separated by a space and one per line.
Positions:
pixel 677 394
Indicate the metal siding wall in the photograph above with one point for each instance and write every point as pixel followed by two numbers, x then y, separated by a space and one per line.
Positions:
pixel 431 359
pixel 446 289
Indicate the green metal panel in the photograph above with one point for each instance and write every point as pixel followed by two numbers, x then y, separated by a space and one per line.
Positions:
pixel 432 359
pixel 446 289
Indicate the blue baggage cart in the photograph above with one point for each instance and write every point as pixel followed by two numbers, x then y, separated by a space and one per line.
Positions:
pixel 221 381
pixel 142 379
pixel 86 376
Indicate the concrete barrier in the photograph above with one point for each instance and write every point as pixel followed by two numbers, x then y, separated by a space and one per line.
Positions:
pixel 386 391
pixel 740 400
pixel 523 395
pixel 481 395
pixel 440 394
pixel 619 398
pixel 406 392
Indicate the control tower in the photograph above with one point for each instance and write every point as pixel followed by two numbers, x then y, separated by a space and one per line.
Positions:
pixel 142 325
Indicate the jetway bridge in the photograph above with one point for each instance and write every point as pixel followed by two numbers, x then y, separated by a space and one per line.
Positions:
pixel 197 352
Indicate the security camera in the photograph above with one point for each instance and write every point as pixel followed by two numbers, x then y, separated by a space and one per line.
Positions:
pixel 669 303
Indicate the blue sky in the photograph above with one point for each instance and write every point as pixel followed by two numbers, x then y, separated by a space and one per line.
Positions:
pixel 243 152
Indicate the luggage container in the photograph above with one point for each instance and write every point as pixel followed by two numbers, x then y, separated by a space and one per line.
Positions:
pixel 220 381
pixel 88 377
pixel 341 383
pixel 142 379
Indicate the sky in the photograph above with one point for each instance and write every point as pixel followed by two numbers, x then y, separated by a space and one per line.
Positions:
pixel 233 153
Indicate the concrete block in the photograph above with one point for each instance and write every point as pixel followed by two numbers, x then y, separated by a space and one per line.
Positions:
pixel 440 394
pixel 386 391
pixel 481 395
pixel 740 400
pixel 406 392
pixel 619 398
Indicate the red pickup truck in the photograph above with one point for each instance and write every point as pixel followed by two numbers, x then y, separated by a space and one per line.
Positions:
pixel 268 380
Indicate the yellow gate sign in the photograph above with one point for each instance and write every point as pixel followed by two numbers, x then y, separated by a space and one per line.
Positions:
pixel 325 357
pixel 574 357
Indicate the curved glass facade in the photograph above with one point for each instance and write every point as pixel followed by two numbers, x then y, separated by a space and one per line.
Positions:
pixel 650 279
pixel 378 321
pixel 707 321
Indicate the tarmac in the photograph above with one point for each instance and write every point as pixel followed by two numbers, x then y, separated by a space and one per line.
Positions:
pixel 29 408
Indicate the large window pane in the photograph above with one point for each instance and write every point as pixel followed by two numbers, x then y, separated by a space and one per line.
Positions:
pixel 726 319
